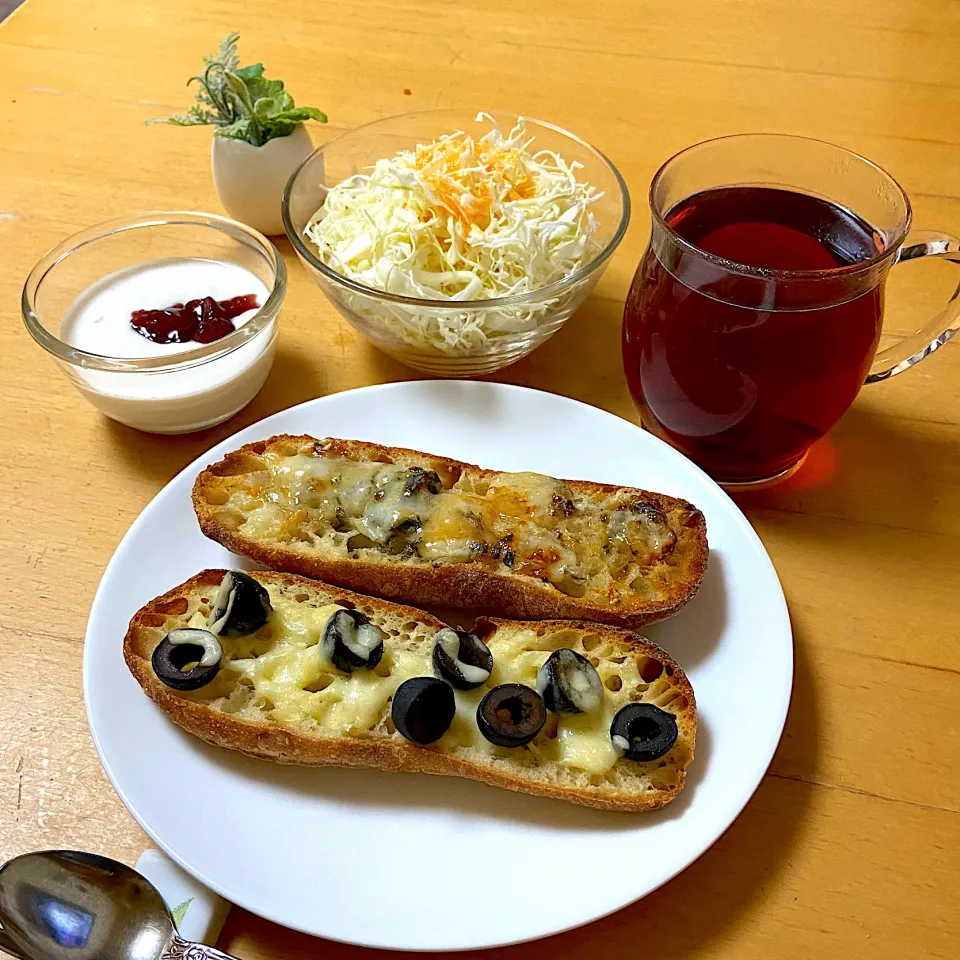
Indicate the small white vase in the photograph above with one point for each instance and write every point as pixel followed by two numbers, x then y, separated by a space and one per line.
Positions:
pixel 250 180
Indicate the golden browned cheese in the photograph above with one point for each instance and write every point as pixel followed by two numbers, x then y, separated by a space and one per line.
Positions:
pixel 426 529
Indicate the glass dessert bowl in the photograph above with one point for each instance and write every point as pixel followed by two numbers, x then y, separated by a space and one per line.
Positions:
pixel 79 302
pixel 453 331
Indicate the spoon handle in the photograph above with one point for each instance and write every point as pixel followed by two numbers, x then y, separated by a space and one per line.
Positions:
pixel 7 948
pixel 180 949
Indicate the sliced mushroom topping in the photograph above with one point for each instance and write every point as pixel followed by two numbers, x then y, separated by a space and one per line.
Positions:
pixel 451 550
pixel 644 527
pixel 402 538
pixel 569 683
pixel 419 480
pixel 241 605
pixel 351 642
pixel 462 659
pixel 570 582
pixel 392 517
pixel 178 649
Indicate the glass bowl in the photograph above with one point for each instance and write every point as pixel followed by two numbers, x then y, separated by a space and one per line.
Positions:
pixel 392 321
pixel 167 392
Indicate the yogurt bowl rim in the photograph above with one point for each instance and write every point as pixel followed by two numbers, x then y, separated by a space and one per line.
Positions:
pixel 186 359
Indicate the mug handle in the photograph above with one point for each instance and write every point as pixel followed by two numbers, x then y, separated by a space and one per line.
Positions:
pixel 903 355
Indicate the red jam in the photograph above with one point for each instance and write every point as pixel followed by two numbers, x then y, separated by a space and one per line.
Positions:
pixel 203 320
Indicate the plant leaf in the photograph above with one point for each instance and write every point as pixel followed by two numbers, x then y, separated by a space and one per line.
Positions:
pixel 238 130
pixel 240 101
pixel 283 124
pixel 196 116
pixel 178 120
pixel 226 54
pixel 238 88
pixel 277 127
pixel 179 912
pixel 269 97
pixel 250 72
pixel 299 114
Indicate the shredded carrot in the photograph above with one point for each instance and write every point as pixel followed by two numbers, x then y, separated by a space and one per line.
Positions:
pixel 461 219
pixel 467 178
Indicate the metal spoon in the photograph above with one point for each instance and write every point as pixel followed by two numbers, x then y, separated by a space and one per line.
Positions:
pixel 65 905
pixel 7 949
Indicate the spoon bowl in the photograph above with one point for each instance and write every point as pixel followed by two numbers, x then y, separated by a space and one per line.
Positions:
pixel 66 905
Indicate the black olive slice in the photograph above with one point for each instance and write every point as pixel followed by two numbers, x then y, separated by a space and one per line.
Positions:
pixel 351 642
pixel 180 647
pixel 569 683
pixel 511 715
pixel 241 605
pixel 423 709
pixel 643 732
pixel 462 659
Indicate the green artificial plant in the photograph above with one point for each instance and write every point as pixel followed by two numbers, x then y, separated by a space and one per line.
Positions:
pixel 240 101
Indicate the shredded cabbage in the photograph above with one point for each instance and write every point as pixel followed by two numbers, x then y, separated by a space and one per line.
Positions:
pixel 460 219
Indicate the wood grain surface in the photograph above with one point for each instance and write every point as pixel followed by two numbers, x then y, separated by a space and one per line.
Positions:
pixel 851 846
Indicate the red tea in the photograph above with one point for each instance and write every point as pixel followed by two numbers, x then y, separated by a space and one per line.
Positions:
pixel 745 390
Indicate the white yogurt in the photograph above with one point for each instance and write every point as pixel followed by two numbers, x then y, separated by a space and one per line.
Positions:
pixel 169 399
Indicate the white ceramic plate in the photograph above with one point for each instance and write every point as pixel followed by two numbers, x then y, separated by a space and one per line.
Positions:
pixel 416 862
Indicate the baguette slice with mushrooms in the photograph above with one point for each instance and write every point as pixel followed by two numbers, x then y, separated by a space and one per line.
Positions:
pixel 428 530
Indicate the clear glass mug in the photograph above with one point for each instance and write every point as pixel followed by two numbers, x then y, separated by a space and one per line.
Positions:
pixel 745 335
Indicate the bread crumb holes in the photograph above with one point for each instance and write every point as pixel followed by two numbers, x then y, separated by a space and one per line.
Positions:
pixel 651 669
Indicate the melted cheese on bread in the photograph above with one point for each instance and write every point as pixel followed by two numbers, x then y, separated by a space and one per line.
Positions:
pixel 288 679
pixel 612 547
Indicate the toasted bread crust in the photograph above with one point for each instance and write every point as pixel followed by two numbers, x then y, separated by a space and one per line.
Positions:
pixel 460 584
pixel 270 741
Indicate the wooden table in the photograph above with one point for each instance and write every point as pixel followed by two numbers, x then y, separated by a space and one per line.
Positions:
pixel 850 846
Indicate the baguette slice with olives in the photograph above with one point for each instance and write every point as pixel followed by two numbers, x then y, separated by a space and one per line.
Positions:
pixel 573 710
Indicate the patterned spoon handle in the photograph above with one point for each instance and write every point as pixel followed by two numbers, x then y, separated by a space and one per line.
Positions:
pixel 180 949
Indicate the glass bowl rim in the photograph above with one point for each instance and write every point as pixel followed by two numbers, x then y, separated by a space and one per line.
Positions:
pixel 177 361
pixel 890 249
pixel 543 293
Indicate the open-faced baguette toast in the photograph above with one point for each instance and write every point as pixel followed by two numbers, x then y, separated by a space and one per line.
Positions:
pixel 276 698
pixel 424 529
